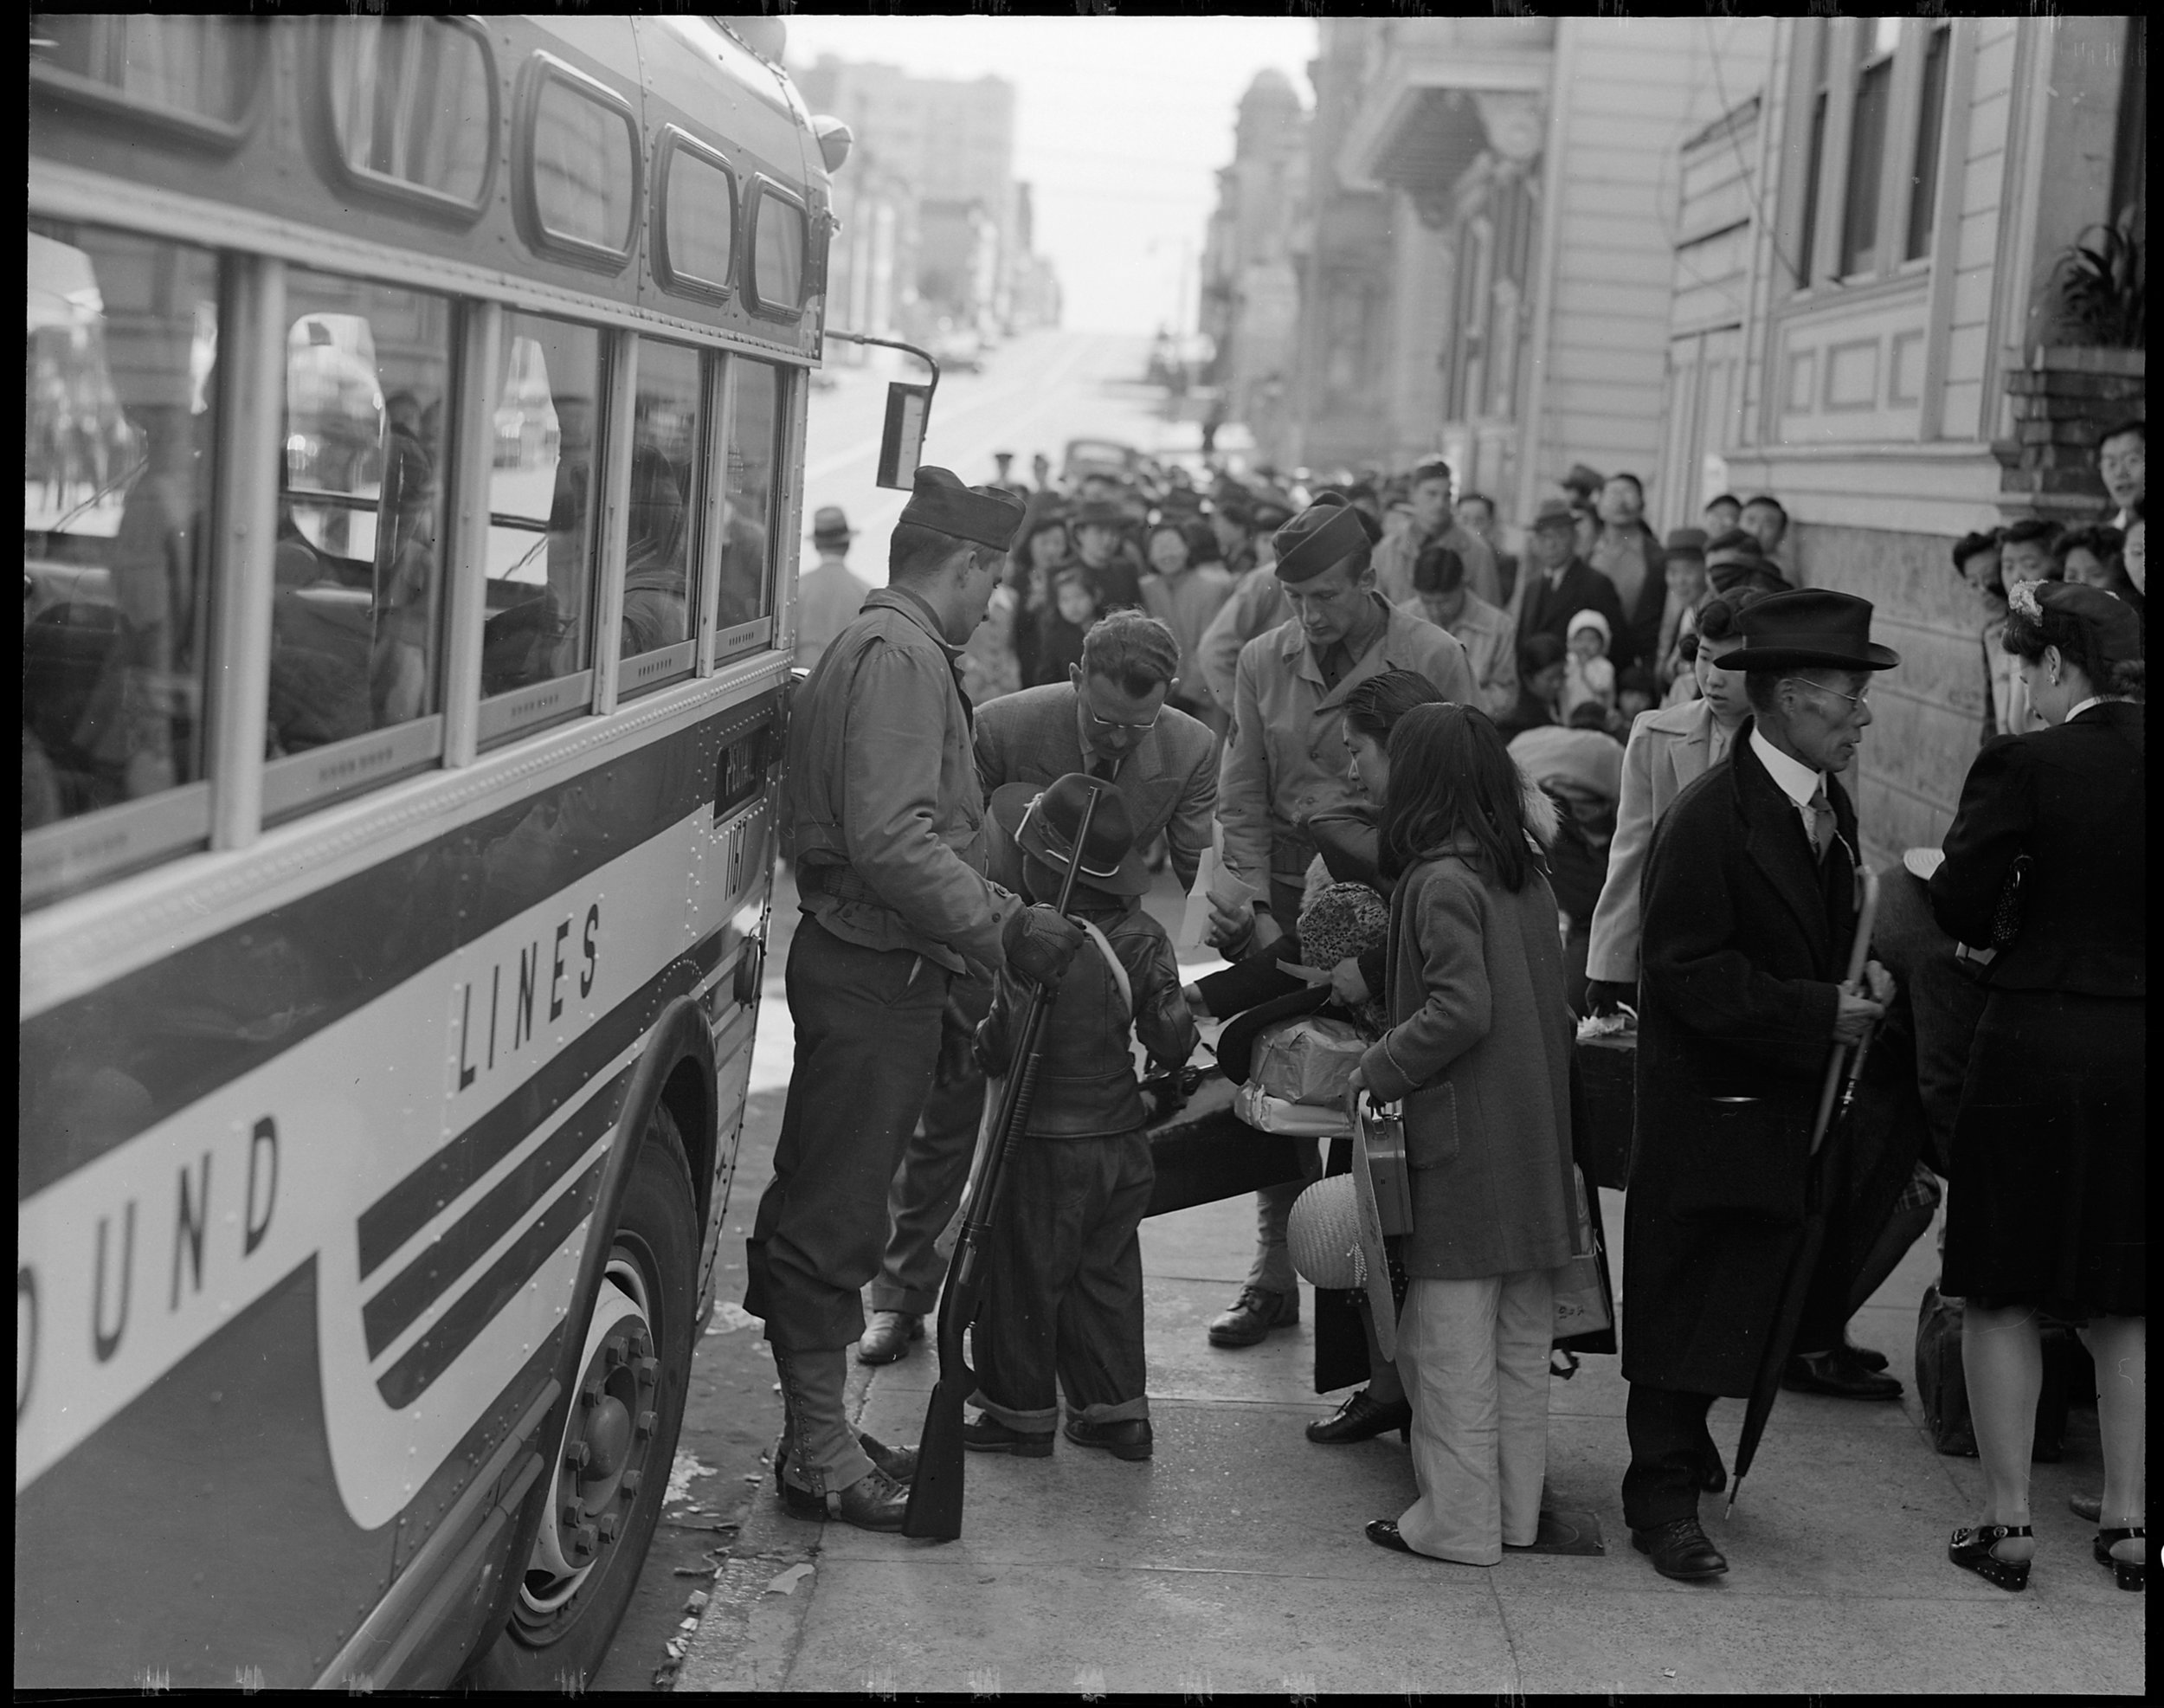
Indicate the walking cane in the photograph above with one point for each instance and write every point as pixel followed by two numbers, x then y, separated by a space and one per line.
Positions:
pixel 935 1494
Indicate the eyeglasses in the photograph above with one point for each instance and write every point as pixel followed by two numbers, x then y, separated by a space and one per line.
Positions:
pixel 1856 700
pixel 1108 724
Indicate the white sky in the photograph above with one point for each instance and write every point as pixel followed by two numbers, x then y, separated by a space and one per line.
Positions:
pixel 1120 126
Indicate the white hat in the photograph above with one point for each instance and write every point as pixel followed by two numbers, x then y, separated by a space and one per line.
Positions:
pixel 1590 619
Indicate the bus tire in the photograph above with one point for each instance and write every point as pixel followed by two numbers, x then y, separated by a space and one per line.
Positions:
pixel 611 1466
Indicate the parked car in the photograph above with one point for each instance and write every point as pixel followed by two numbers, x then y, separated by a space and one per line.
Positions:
pixel 1100 456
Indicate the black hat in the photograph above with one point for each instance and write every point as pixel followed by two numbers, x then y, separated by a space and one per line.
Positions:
pixel 1685 542
pixel 1812 627
pixel 1100 513
pixel 1326 532
pixel 1042 822
pixel 982 515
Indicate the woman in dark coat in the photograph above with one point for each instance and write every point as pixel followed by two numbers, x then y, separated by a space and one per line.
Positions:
pixel 2049 1207
pixel 1479 1053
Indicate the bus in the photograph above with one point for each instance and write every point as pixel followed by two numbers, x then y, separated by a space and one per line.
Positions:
pixel 413 468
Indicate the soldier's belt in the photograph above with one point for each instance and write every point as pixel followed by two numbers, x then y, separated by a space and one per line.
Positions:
pixel 840 882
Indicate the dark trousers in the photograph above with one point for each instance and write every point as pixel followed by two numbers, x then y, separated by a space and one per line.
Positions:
pixel 1063 1284
pixel 867 1038
pixel 1669 1445
pixel 927 1187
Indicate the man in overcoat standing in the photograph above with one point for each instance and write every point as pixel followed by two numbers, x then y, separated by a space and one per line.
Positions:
pixel 1750 899
pixel 883 818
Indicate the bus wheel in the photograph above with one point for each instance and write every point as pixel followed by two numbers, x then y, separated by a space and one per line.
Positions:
pixel 611 1466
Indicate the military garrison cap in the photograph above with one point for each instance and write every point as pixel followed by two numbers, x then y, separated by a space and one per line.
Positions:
pixel 1327 531
pixel 982 515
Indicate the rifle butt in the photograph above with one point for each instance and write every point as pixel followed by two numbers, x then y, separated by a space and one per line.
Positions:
pixel 935 1493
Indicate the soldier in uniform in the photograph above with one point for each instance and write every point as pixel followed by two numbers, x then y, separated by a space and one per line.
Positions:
pixel 883 817
pixel 1286 761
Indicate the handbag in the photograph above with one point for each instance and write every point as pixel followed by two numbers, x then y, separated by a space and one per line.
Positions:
pixel 1581 1285
pixel 2006 914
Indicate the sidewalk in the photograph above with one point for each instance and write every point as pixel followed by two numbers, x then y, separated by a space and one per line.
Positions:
pixel 1235 1561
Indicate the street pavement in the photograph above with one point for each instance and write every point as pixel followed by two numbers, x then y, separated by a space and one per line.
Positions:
pixel 1234 1560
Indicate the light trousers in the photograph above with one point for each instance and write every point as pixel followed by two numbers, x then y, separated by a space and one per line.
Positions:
pixel 1473 1356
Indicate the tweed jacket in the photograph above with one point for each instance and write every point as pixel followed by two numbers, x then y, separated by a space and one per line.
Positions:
pixel 1394 557
pixel 880 782
pixel 1668 751
pixel 1491 642
pixel 1170 781
pixel 1285 758
pixel 1479 1050
pixel 1746 940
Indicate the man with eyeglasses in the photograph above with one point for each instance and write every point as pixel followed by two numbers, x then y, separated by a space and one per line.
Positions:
pixel 1109 720
pixel 1285 761
pixel 1750 898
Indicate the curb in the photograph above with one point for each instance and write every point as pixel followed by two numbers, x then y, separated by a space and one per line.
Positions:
pixel 749 1632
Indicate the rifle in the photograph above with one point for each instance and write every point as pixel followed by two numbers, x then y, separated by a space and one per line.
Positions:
pixel 935 1494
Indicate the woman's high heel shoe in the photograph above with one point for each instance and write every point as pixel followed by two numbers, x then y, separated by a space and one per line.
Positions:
pixel 1971 1550
pixel 2130 1574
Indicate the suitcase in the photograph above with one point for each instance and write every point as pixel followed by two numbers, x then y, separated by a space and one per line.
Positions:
pixel 1942 1387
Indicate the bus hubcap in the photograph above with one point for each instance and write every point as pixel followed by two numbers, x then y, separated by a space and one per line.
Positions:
pixel 601 1463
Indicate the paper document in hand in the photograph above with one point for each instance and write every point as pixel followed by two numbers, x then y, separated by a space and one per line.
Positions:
pixel 1212 878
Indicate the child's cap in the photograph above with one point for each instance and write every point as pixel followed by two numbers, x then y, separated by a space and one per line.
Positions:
pixel 1590 619
pixel 1042 823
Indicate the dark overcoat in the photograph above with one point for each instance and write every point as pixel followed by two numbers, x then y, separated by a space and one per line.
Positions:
pixel 1746 939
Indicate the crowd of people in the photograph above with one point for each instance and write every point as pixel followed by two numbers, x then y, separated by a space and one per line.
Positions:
pixel 1466 799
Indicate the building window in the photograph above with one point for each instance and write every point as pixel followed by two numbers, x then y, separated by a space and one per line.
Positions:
pixel 1931 121
pixel 1867 147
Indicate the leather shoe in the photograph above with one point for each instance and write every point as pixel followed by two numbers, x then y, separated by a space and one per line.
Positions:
pixel 986 1433
pixel 900 1463
pixel 887 1336
pixel 1361 1418
pixel 1679 1549
pixel 1868 1356
pixel 1834 1373
pixel 874 1501
pixel 1383 1533
pixel 1129 1438
pixel 1251 1320
pixel 2088 1506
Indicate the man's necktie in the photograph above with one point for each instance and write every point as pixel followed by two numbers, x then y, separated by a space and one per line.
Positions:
pixel 1099 766
pixel 1821 822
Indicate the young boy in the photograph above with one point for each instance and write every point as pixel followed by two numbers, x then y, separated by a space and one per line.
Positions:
pixel 1063 1305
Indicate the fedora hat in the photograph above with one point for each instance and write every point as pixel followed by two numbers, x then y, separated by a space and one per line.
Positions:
pixel 1042 822
pixel 1810 627
pixel 1554 512
pixel 830 522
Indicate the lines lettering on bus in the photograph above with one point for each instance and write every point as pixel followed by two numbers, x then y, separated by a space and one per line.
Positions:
pixel 547 968
pixel 114 1266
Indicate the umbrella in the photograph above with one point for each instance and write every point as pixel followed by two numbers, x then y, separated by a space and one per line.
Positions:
pixel 1822 1186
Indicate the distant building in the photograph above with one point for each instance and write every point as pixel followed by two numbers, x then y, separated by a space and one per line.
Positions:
pixel 1250 285
pixel 1488 276
pixel 933 178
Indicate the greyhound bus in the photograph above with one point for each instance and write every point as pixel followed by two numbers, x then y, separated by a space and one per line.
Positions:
pixel 415 427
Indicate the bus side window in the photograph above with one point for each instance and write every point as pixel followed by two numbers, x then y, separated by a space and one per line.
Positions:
pixel 120 430
pixel 661 546
pixel 540 567
pixel 748 500
pixel 357 609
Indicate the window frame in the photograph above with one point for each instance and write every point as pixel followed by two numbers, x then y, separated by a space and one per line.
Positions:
pixel 762 187
pixel 403 193
pixel 740 641
pixel 675 140
pixel 177 124
pixel 540 70
pixel 679 659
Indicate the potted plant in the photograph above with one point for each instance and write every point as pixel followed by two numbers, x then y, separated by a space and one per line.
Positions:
pixel 2091 373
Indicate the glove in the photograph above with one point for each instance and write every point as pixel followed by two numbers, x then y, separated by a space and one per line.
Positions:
pixel 957 1036
pixel 1040 943
pixel 1605 996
